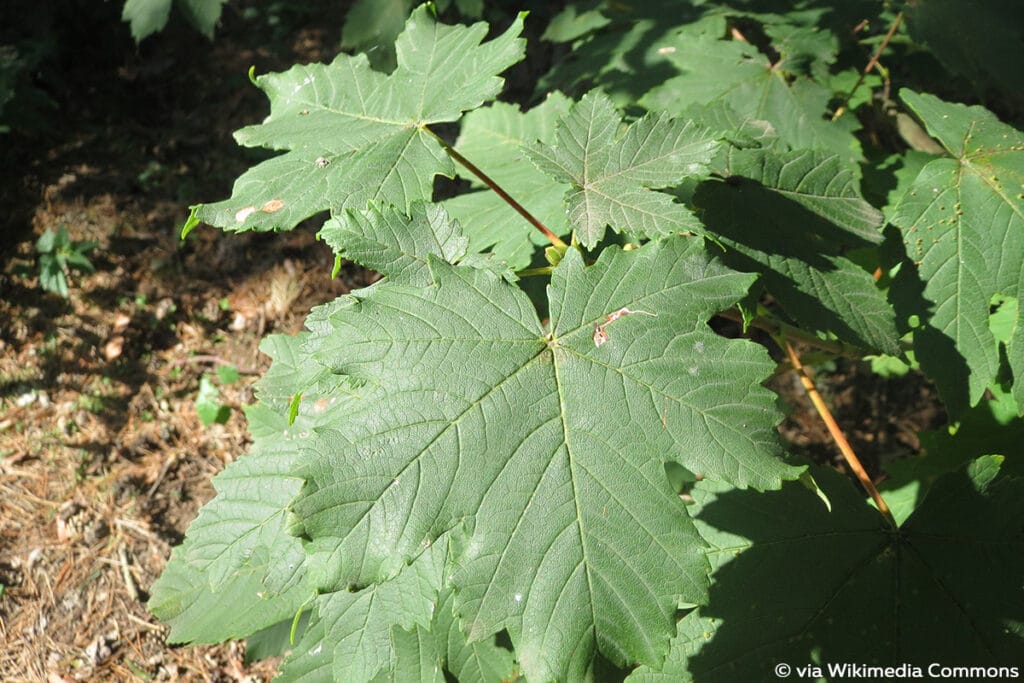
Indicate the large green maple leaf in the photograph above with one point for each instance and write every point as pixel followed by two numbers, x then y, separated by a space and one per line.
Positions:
pixel 550 441
pixel 353 134
pixel 799 584
pixel 611 171
pixel 963 224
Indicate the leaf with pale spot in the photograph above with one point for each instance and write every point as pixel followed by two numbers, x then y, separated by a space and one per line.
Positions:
pixel 353 135
pixel 553 445
pixel 963 224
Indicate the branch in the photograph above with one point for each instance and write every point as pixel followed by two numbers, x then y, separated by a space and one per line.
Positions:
pixel 489 182
pixel 872 63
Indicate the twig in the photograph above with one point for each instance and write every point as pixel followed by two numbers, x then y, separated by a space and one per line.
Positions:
pixel 489 182
pixel 160 477
pixel 216 360
pixel 126 573
pixel 837 434
pixel 145 624
pixel 132 525
pixel 872 63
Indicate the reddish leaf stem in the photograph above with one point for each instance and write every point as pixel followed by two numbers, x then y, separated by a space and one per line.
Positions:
pixel 871 64
pixel 489 182
pixel 837 434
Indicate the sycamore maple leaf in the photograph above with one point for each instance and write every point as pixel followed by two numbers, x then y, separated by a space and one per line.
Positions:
pixel 611 172
pixel 353 134
pixel 553 444
pixel 963 223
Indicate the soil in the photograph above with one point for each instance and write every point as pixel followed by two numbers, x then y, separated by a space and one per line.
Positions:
pixel 104 460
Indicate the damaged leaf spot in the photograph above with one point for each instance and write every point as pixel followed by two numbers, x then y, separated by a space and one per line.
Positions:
pixel 601 334
pixel 273 206
pixel 242 214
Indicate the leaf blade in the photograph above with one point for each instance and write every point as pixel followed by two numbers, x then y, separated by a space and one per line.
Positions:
pixel 353 135
pixel 612 175
pixel 965 231
pixel 471 410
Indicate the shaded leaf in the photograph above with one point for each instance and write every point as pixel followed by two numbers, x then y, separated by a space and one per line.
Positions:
pixel 992 426
pixel 203 14
pixel 371 26
pixel 735 72
pixel 146 17
pixel 615 47
pixel 574 21
pixel 946 582
pixel 983 44
pixel 791 217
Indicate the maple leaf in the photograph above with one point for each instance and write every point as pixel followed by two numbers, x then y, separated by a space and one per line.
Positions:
pixel 495 136
pixel 963 223
pixel 354 135
pixel 555 445
pixel 946 581
pixel 611 171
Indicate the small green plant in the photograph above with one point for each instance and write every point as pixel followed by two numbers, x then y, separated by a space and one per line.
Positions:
pixel 58 255
pixel 147 17
pixel 210 404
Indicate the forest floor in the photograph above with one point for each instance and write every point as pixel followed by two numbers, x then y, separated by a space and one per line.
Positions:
pixel 104 460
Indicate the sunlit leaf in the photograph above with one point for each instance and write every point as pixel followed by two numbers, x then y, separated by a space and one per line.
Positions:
pixel 352 134
pixel 612 171
pixel 963 224
pixel 471 409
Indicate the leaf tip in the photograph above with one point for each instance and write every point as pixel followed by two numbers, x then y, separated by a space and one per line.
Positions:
pixel 192 221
